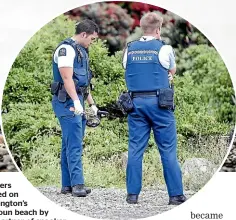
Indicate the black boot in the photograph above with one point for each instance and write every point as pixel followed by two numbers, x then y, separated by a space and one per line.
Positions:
pixel 68 189
pixel 132 199
pixel 88 190
pixel 79 191
pixel 177 200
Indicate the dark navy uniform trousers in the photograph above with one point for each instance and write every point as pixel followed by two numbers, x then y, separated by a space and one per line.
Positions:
pixel 73 127
pixel 146 116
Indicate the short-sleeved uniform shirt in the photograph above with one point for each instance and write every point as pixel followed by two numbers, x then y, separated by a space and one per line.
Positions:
pixel 64 56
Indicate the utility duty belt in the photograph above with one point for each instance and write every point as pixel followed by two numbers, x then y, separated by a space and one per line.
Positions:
pixel 165 99
pixel 144 94
pixel 58 89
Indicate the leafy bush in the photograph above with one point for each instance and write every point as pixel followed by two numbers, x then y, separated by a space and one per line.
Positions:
pixel 25 124
pixel 192 112
pixel 209 74
pixel 33 87
pixel 109 74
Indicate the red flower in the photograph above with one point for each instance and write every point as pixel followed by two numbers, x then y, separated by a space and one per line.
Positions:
pixel 138 6
pixel 136 20
pixel 110 11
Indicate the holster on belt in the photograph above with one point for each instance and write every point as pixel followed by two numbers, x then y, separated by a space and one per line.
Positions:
pixel 55 87
pixel 125 102
pixel 62 94
pixel 58 89
pixel 166 98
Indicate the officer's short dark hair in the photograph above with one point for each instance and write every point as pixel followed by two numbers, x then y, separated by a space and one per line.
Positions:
pixel 87 26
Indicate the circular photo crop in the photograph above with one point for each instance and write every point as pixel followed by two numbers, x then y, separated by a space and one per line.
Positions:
pixel 118 110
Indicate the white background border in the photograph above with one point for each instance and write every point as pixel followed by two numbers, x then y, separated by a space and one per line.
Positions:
pixel 19 20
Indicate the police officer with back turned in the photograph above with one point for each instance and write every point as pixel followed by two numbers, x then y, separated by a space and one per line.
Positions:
pixel 148 62
pixel 72 76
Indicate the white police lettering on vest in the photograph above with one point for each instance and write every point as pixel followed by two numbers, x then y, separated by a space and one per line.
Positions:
pixel 146 58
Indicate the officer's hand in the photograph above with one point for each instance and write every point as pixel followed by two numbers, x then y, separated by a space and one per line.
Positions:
pixel 78 107
pixel 94 109
pixel 170 77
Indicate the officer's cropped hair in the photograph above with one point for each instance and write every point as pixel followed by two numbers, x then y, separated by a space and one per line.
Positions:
pixel 150 21
pixel 87 26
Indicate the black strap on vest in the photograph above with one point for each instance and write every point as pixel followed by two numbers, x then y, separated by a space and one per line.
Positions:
pixel 76 47
pixel 81 56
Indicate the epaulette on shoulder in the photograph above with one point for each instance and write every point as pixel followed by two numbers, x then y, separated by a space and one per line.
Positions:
pixel 128 44
pixel 67 40
pixel 70 41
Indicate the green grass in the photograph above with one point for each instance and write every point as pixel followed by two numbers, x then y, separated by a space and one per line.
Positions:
pixel 107 171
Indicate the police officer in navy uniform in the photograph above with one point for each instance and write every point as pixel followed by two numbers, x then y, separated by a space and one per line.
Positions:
pixel 148 63
pixel 72 76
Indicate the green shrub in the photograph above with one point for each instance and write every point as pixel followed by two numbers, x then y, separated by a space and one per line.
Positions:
pixel 194 116
pixel 109 74
pixel 33 87
pixel 212 79
pixel 25 124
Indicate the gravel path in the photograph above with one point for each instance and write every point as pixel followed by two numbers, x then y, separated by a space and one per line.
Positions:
pixel 110 203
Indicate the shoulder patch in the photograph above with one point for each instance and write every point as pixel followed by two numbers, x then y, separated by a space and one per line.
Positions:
pixel 62 52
